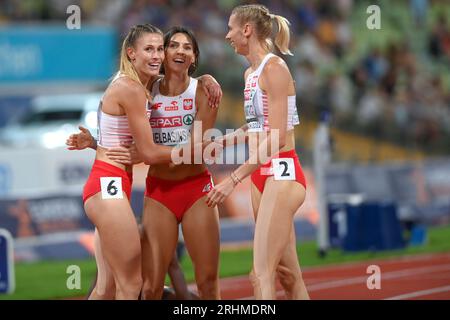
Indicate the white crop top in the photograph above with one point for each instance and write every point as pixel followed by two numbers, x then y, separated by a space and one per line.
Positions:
pixel 256 104
pixel 112 129
pixel 172 117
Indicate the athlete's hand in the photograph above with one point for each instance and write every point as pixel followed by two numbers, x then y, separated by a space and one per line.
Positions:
pixel 135 156
pixel 219 193
pixel 126 154
pixel 212 90
pixel 81 140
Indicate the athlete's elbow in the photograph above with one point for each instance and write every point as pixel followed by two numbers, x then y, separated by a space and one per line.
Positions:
pixel 148 161
pixel 150 158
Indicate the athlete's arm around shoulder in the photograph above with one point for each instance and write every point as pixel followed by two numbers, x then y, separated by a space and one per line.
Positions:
pixel 276 81
pixel 132 98
pixel 205 113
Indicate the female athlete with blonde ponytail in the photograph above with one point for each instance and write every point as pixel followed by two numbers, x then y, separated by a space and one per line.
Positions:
pixel 278 186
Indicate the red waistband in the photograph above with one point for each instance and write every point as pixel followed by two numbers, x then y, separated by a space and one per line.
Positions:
pixel 204 174
pixel 285 154
pixel 112 168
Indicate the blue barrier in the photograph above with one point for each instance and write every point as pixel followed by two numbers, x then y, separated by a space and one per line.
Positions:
pixel 364 226
pixel 418 236
pixel 7 279
pixel 421 191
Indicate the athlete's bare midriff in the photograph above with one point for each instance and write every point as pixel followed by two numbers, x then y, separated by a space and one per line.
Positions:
pixel 290 141
pixel 101 155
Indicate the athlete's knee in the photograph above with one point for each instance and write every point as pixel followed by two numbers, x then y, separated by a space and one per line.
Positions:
pixel 152 291
pixel 208 284
pixel 108 292
pixel 287 277
pixel 129 286
pixel 106 295
pixel 261 276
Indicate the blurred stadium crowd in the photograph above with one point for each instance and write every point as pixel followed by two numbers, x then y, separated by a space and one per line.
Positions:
pixel 392 84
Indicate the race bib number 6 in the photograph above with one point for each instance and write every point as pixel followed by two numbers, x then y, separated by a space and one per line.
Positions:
pixel 111 187
pixel 283 169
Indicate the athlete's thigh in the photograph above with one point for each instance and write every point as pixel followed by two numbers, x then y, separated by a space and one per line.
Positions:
pixel 279 202
pixel 159 238
pixel 114 220
pixel 118 230
pixel 282 198
pixel 201 233
pixel 256 199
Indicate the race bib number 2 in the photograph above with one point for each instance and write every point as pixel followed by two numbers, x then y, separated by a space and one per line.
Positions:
pixel 111 187
pixel 283 169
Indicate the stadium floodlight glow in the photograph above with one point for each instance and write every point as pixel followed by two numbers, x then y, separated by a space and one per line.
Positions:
pixel 91 119
pixel 51 140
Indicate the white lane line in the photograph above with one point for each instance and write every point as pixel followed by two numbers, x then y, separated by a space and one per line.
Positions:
pixel 382 262
pixel 384 276
pixel 363 279
pixel 416 294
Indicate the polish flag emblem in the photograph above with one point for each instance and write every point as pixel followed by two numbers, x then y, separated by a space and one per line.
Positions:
pixel 187 104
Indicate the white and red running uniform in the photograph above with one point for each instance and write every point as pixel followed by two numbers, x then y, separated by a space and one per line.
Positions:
pixel 284 165
pixel 171 121
pixel 112 130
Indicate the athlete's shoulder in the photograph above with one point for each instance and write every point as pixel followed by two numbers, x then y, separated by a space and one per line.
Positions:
pixel 275 74
pixel 125 85
pixel 127 92
pixel 276 64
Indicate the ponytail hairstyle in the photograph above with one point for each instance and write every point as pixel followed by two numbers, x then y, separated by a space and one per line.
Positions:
pixel 263 20
pixel 126 67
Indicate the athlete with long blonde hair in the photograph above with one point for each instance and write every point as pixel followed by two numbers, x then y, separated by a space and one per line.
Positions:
pixel 174 194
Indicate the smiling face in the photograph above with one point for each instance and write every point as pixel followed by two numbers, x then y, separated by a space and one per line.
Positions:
pixel 147 54
pixel 237 35
pixel 180 53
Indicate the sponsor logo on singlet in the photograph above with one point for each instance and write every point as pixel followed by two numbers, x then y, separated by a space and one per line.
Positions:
pixel 254 81
pixel 249 110
pixel 253 124
pixel 166 122
pixel 172 137
pixel 247 95
pixel 156 106
pixel 172 107
pixel 188 119
pixel 207 188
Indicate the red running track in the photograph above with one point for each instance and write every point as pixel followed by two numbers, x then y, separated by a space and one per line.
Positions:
pixel 411 277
